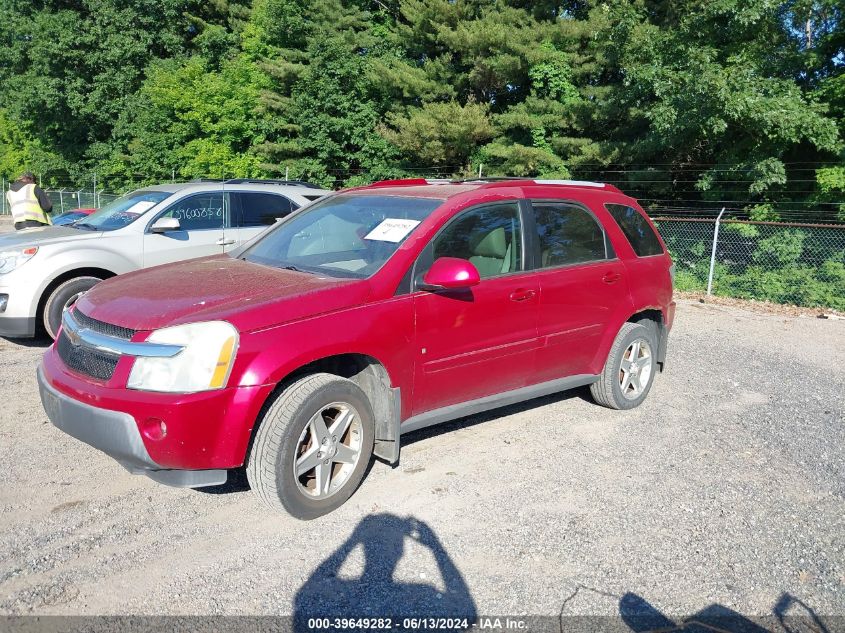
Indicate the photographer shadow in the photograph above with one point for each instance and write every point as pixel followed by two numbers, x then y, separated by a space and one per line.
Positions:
pixel 375 593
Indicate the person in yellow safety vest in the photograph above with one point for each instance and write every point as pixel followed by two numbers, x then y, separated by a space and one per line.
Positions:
pixel 29 204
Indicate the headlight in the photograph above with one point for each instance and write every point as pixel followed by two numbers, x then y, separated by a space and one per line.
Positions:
pixel 204 364
pixel 9 260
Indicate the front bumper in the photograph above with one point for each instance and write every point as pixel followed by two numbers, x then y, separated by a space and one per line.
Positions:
pixel 116 434
pixel 17 327
pixel 18 318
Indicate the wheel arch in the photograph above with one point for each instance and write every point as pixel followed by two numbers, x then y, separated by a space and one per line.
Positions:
pixel 67 275
pixel 654 318
pixel 372 376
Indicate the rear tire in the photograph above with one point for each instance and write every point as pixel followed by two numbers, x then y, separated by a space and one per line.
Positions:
pixel 312 447
pixel 63 296
pixel 629 370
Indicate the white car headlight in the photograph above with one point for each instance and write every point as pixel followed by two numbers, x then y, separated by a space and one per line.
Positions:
pixel 203 365
pixel 9 260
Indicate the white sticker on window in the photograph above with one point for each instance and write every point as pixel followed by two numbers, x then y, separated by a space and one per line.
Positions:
pixel 139 207
pixel 392 230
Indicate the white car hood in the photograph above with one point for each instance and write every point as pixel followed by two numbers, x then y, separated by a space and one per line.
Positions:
pixel 44 236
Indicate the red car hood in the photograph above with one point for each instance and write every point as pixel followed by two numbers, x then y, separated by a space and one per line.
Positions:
pixel 248 295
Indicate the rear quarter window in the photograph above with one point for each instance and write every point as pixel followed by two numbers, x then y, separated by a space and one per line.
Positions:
pixel 637 229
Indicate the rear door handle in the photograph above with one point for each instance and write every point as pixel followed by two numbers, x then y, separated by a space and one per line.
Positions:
pixel 224 242
pixel 611 278
pixel 523 294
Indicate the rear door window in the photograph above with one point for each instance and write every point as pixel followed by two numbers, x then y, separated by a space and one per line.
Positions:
pixel 637 229
pixel 568 235
pixel 262 209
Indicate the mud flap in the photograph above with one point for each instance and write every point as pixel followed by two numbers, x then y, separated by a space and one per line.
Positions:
pixel 387 442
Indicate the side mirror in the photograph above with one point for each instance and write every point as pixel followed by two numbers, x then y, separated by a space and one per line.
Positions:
pixel 450 273
pixel 163 225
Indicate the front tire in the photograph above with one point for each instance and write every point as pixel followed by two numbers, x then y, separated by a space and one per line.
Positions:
pixel 63 296
pixel 312 447
pixel 629 370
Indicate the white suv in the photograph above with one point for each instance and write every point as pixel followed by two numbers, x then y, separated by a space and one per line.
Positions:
pixel 44 270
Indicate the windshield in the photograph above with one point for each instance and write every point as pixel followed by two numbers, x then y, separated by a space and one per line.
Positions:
pixel 342 236
pixel 123 211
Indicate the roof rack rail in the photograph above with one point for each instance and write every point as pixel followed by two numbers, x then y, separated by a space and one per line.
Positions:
pixel 400 182
pixel 491 179
pixel 587 184
pixel 573 183
pixel 270 181
pixel 539 181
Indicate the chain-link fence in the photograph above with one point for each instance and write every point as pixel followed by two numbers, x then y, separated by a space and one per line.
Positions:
pixel 67 199
pixel 803 264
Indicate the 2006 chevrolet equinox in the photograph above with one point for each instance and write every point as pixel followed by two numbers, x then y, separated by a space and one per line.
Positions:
pixel 374 312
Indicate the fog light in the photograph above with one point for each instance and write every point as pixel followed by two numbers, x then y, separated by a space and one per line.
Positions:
pixel 154 429
pixel 4 301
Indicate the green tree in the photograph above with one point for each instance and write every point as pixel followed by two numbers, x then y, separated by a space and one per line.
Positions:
pixel 71 68
pixel 191 120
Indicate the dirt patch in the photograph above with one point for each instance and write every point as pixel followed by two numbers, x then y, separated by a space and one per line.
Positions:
pixel 766 307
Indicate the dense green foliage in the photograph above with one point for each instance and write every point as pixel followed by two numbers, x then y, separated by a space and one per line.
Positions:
pixel 681 103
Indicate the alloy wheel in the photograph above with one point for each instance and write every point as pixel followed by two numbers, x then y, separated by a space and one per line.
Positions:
pixel 328 450
pixel 636 368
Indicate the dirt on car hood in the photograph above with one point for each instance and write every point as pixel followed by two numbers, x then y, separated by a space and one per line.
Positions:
pixel 248 295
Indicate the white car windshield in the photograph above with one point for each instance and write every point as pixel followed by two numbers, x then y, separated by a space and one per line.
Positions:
pixel 123 211
pixel 343 235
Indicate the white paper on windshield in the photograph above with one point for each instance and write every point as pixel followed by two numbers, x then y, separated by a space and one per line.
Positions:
pixel 392 230
pixel 139 207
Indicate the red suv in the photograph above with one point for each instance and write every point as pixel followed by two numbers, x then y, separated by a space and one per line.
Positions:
pixel 373 312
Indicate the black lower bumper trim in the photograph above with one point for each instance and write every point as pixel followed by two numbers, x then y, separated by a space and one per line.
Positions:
pixel 184 478
pixel 116 434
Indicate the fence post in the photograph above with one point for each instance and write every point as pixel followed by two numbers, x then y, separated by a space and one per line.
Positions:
pixel 3 194
pixel 713 253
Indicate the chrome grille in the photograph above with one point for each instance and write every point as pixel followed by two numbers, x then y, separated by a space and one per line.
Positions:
pixel 85 361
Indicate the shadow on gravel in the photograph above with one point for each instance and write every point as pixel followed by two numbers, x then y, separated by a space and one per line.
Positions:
pixel 582 393
pixel 236 482
pixel 375 593
pixel 642 617
pixel 42 341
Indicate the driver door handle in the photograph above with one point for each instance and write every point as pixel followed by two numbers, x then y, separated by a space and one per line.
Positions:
pixel 224 242
pixel 611 278
pixel 523 294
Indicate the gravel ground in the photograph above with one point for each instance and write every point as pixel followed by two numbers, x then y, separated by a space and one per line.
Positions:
pixel 725 489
